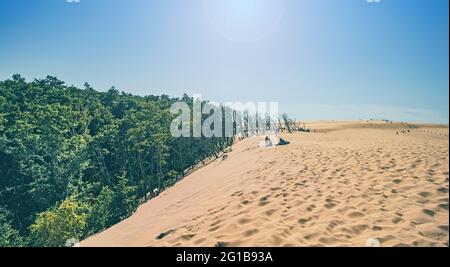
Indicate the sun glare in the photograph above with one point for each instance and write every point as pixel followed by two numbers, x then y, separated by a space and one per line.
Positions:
pixel 244 20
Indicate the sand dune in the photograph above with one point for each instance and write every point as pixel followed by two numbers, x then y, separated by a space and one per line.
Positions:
pixel 337 187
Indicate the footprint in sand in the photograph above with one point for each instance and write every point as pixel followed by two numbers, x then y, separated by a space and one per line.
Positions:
pixel 304 220
pixel 443 190
pixel 244 221
pixel 443 227
pixel 425 194
pixel 443 206
pixel 377 228
pixel 434 234
pixel 215 228
pixel 250 232
pixel 311 236
pixel 199 241
pixel 355 214
pixel 428 212
pixel 357 229
pixel 270 212
pixel 263 201
pixel 333 224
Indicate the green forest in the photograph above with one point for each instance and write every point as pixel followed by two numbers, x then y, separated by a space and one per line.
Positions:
pixel 76 161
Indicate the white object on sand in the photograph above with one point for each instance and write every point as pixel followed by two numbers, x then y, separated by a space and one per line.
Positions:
pixel 373 242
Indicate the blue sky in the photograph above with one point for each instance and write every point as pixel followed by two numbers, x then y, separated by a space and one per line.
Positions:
pixel 320 59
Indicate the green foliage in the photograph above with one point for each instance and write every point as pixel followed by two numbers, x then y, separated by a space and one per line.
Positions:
pixel 9 237
pixel 76 161
pixel 100 215
pixel 124 202
pixel 55 226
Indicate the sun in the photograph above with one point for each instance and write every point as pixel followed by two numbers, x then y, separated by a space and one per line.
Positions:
pixel 244 20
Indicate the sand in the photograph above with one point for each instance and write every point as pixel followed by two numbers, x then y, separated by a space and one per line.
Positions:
pixel 340 186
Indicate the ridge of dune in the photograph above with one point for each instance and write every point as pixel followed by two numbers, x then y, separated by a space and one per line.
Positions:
pixel 331 188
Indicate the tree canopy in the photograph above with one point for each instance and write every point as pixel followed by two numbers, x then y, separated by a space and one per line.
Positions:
pixel 76 161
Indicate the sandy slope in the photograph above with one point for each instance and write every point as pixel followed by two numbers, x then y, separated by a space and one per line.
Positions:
pixel 349 182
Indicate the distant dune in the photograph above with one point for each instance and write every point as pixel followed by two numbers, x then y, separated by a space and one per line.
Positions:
pixel 339 186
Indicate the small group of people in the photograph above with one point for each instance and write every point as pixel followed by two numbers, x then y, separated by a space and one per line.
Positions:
pixel 269 143
pixel 403 132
